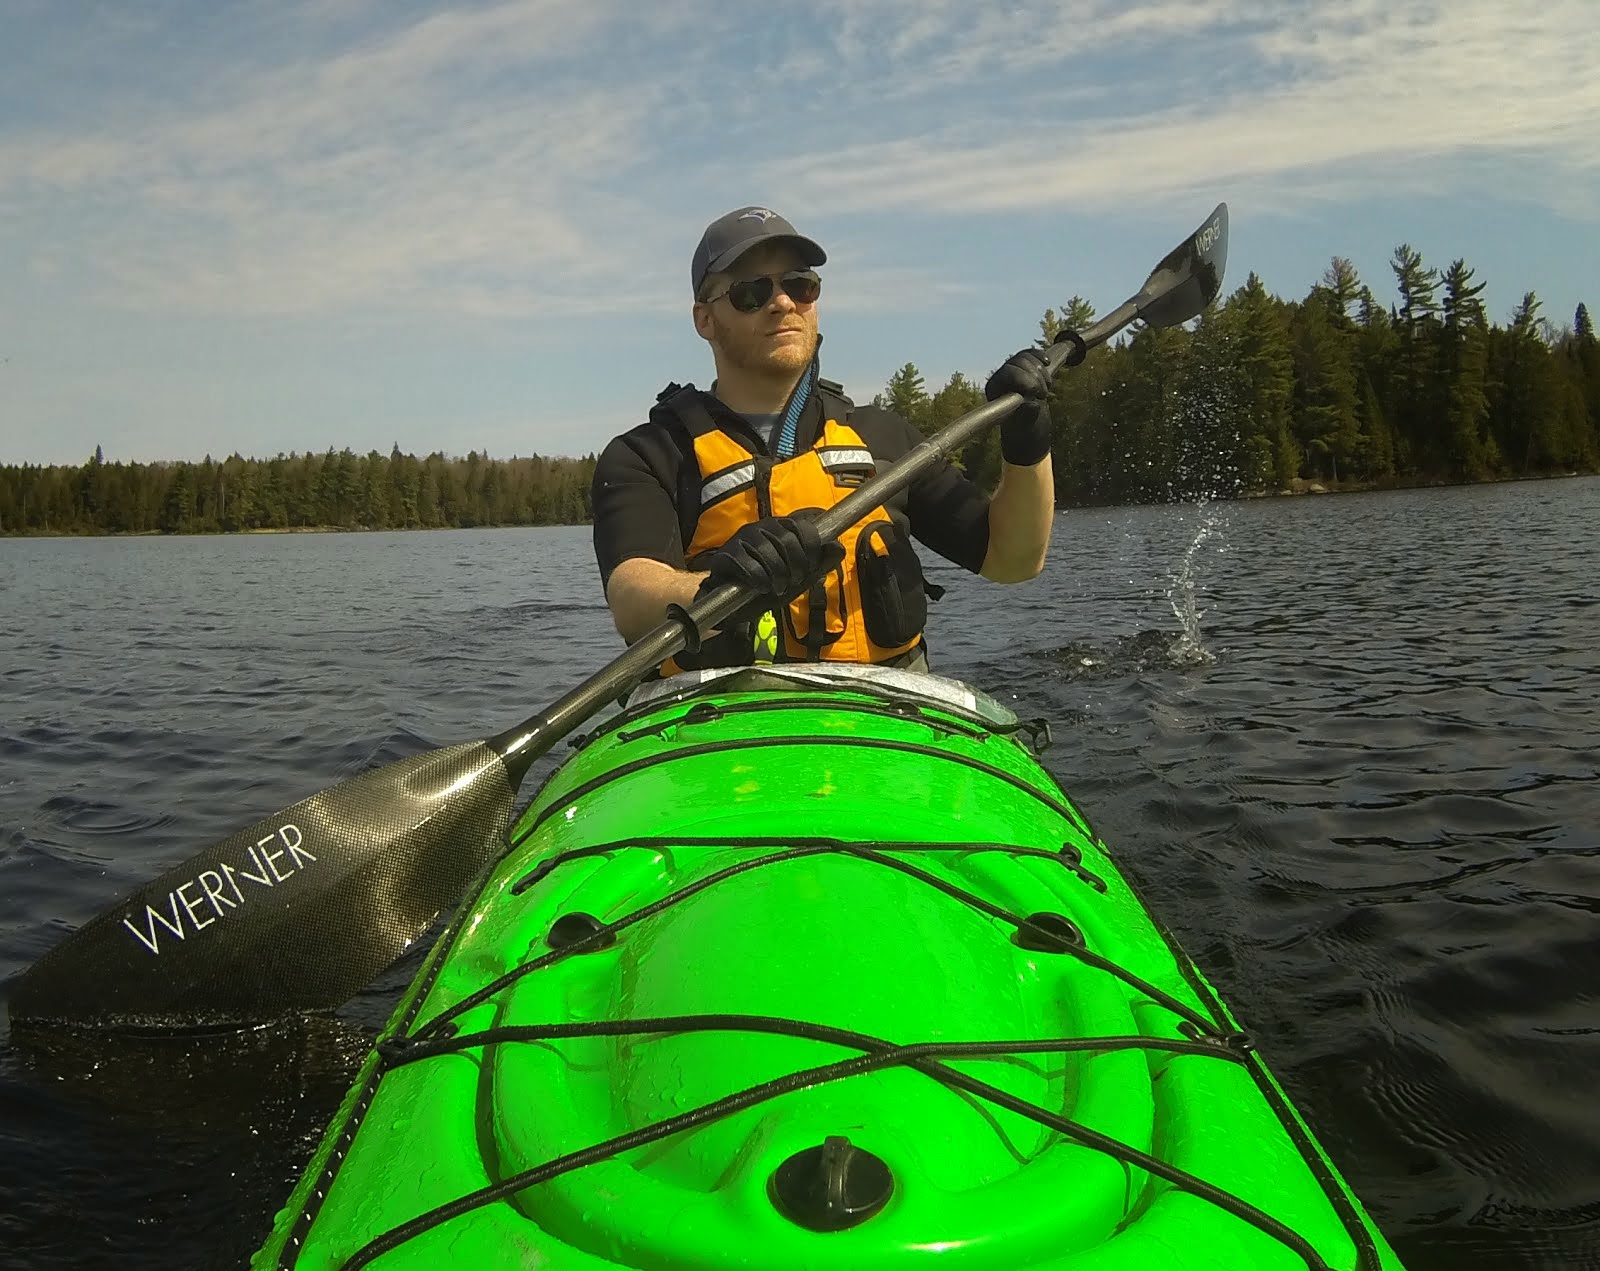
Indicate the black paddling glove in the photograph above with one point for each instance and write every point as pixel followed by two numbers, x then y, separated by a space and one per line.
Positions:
pixel 1025 433
pixel 773 558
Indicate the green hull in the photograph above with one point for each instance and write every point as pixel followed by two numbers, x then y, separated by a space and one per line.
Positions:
pixel 787 975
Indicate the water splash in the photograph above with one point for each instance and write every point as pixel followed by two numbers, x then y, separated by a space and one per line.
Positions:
pixel 1124 656
pixel 1189 649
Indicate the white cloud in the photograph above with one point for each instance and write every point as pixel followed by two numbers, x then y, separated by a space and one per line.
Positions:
pixel 529 157
pixel 1367 87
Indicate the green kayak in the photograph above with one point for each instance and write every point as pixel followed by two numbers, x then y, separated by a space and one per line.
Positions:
pixel 814 968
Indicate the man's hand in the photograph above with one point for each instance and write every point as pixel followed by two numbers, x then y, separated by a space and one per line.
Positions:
pixel 774 558
pixel 1025 434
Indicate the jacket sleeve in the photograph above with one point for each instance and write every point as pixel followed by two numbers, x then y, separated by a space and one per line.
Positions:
pixel 634 512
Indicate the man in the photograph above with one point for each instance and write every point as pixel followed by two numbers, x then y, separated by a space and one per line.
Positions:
pixel 718 486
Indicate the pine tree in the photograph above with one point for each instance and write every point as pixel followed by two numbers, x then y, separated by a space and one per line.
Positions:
pixel 1369 312
pixel 1525 318
pixel 1462 308
pixel 178 508
pixel 1384 453
pixel 958 396
pixel 373 501
pixel 905 395
pixel 402 489
pixel 1324 389
pixel 1585 359
pixel 244 478
pixel 1526 403
pixel 1464 365
pixel 1267 456
pixel 1417 285
pixel 1078 315
pixel 274 494
pixel 1417 411
pixel 1147 465
pixel 1340 288
pixel 1375 459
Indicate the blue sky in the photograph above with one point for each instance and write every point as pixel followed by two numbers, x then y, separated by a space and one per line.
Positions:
pixel 296 224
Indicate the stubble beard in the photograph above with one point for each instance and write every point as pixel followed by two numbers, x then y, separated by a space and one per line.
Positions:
pixel 750 353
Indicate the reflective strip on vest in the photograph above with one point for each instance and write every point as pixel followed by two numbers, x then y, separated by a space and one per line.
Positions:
pixel 840 457
pixel 725 483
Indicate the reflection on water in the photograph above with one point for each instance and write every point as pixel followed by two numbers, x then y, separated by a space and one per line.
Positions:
pixel 203 1082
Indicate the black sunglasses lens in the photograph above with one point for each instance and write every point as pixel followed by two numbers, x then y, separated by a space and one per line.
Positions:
pixel 753 293
pixel 750 295
pixel 803 288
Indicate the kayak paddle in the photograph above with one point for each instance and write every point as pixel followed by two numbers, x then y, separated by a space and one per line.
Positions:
pixel 303 908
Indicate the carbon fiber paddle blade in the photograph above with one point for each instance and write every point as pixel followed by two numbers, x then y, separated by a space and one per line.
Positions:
pixel 1199 262
pixel 296 913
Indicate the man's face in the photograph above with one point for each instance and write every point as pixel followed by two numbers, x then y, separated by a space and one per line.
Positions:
pixel 778 339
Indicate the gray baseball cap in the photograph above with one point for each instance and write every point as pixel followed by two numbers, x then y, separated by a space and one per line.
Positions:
pixel 729 237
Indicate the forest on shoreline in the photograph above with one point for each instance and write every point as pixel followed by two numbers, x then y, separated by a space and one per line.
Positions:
pixel 1264 395
pixel 1261 396
pixel 338 490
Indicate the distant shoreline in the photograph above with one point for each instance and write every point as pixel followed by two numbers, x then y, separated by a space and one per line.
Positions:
pixel 1298 488
pixel 275 529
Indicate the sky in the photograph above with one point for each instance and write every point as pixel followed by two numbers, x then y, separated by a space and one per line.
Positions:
pixel 302 224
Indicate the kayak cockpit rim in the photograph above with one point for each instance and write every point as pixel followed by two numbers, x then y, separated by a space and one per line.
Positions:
pixel 889 684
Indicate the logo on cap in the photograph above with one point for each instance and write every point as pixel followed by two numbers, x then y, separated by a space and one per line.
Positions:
pixel 762 214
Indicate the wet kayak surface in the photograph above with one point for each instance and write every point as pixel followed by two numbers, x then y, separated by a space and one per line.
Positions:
pixel 1347 746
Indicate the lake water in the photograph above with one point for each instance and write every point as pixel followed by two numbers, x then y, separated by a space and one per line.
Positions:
pixel 1362 791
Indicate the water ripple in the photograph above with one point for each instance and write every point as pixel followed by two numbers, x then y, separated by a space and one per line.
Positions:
pixel 1368 813
pixel 96 817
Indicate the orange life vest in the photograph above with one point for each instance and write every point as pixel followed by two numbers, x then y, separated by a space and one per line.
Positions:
pixel 858 611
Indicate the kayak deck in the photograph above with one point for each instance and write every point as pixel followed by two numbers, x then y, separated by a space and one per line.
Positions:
pixel 793 976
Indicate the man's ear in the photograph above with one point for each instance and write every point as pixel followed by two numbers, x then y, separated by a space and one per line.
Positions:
pixel 702 320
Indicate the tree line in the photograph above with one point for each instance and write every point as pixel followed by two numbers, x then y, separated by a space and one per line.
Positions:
pixel 1261 395
pixel 1264 394
pixel 338 489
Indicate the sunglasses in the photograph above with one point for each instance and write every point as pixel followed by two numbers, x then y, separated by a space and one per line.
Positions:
pixel 803 286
